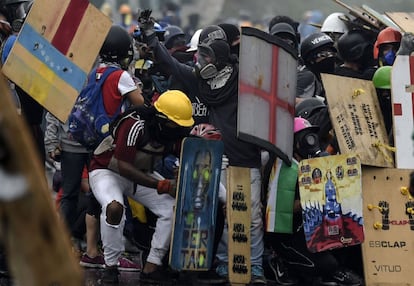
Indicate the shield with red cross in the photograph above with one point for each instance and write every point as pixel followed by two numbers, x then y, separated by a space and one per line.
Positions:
pixel 267 91
pixel 55 50
pixel 402 88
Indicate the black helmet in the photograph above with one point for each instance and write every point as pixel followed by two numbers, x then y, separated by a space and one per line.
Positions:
pixel 212 44
pixel 307 107
pixel 314 42
pixel 353 45
pixel 117 47
pixel 174 36
pixel 285 31
pixel 211 33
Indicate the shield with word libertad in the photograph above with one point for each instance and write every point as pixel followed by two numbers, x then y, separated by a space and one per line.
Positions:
pixel 55 50
pixel 267 91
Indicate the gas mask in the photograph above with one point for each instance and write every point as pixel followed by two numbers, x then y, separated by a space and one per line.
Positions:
pixel 201 178
pixel 205 65
pixel 18 13
pixel 307 144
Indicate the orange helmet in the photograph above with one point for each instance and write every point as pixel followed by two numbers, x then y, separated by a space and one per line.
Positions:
pixel 386 36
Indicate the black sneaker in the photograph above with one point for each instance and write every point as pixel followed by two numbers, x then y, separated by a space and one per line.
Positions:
pixel 341 278
pixel 211 277
pixel 110 275
pixel 4 271
pixel 157 277
pixel 276 271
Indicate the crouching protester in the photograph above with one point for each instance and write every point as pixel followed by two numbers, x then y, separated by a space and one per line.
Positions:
pixel 323 268
pixel 123 165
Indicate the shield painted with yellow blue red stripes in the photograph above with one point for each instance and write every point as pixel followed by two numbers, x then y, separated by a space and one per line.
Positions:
pixel 55 50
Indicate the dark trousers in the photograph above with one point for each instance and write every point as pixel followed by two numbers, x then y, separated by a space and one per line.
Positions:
pixel 293 250
pixel 72 165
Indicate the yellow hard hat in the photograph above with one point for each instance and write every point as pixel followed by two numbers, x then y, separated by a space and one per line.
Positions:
pixel 176 106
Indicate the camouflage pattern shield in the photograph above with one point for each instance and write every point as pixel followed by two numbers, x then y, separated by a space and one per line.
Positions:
pixel 267 91
pixel 55 51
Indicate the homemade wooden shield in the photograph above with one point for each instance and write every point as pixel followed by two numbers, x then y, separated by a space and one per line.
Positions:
pixel 388 250
pixel 196 205
pixel 402 83
pixel 239 223
pixel 55 51
pixel 267 90
pixel 357 119
pixel 403 20
pixel 331 199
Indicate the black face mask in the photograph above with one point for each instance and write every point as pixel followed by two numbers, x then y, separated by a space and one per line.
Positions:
pixel 168 135
pixel 367 59
pixel 183 57
pixel 307 144
pixel 235 50
pixel 327 65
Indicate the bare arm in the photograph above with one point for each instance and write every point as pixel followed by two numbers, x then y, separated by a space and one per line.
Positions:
pixel 128 171
pixel 135 97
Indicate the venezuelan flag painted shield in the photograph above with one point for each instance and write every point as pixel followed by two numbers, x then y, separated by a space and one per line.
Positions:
pixel 267 91
pixel 55 50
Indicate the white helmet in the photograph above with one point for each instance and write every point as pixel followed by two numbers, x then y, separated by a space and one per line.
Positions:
pixel 334 24
pixel 194 41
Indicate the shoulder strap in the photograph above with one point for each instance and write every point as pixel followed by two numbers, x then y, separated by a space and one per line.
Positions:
pixel 114 124
pixel 107 71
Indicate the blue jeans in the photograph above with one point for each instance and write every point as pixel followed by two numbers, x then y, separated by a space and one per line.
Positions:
pixel 256 229
pixel 72 165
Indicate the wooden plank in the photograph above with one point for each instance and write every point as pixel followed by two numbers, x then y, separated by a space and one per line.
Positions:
pixel 239 222
pixel 360 14
pixel 380 17
pixel 404 20
pixel 388 250
pixel 36 240
pixel 357 119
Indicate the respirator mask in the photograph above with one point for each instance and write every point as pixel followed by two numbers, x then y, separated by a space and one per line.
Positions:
pixel 205 65
pixel 307 144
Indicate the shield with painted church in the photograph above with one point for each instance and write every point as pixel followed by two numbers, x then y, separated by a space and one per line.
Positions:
pixel 55 50
pixel 267 91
